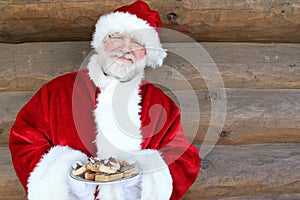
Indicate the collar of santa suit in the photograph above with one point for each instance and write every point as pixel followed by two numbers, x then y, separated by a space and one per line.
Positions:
pixel 117 115
pixel 153 113
pixel 119 106
pixel 145 110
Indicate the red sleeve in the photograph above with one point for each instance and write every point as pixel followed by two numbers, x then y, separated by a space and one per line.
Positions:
pixel 162 130
pixel 29 137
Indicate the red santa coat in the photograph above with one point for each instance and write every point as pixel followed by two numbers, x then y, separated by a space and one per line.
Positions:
pixel 57 126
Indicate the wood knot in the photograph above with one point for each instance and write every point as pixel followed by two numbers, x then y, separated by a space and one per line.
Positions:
pixel 224 134
pixel 292 65
pixel 172 17
pixel 205 164
pixel 212 96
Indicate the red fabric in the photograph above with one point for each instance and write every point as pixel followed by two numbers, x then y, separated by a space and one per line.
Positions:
pixel 181 157
pixel 61 113
pixel 142 11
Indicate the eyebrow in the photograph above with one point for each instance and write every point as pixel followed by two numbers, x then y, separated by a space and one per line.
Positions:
pixel 133 39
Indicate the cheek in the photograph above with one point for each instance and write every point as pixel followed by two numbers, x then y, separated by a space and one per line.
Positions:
pixel 139 54
pixel 108 47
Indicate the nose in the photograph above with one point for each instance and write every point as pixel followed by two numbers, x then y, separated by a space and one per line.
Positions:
pixel 126 47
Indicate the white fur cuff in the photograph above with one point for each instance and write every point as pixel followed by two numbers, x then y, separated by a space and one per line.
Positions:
pixel 157 185
pixel 157 182
pixel 49 178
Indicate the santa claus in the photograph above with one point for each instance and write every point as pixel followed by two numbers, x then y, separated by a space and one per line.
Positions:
pixel 106 110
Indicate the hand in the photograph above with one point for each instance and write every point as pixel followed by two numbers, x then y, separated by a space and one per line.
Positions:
pixel 79 190
pixel 128 190
pixel 131 189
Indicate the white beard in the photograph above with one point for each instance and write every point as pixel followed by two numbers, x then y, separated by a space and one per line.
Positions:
pixel 123 70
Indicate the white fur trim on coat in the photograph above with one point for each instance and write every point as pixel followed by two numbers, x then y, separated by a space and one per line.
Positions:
pixel 117 108
pixel 48 180
pixel 117 118
pixel 118 125
pixel 130 24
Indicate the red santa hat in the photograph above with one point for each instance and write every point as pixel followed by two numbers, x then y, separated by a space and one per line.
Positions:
pixel 137 20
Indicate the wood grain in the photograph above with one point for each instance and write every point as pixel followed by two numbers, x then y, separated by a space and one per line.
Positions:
pixel 261 197
pixel 230 20
pixel 252 116
pixel 10 187
pixel 230 172
pixel 25 67
pixel 250 170
pixel 240 65
pixel 28 66
pixel 10 105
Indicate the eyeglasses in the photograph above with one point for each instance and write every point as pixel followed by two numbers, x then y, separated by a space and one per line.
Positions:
pixel 119 40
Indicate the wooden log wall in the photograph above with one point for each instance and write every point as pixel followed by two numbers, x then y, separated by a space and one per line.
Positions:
pixel 203 20
pixel 257 155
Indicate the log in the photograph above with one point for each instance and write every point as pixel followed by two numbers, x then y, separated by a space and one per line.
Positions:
pixel 252 116
pixel 239 65
pixel 25 67
pixel 261 197
pixel 10 105
pixel 228 172
pixel 249 170
pixel 230 20
pixel 28 66
pixel 10 187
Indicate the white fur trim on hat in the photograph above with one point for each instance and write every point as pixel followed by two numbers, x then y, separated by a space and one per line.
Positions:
pixel 130 24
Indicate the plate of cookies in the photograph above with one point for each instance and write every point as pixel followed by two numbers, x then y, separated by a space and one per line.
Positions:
pixel 104 171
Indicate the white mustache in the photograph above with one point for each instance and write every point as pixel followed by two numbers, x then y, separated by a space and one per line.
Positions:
pixel 120 54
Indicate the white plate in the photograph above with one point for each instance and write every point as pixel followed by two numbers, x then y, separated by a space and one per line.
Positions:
pixel 80 179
